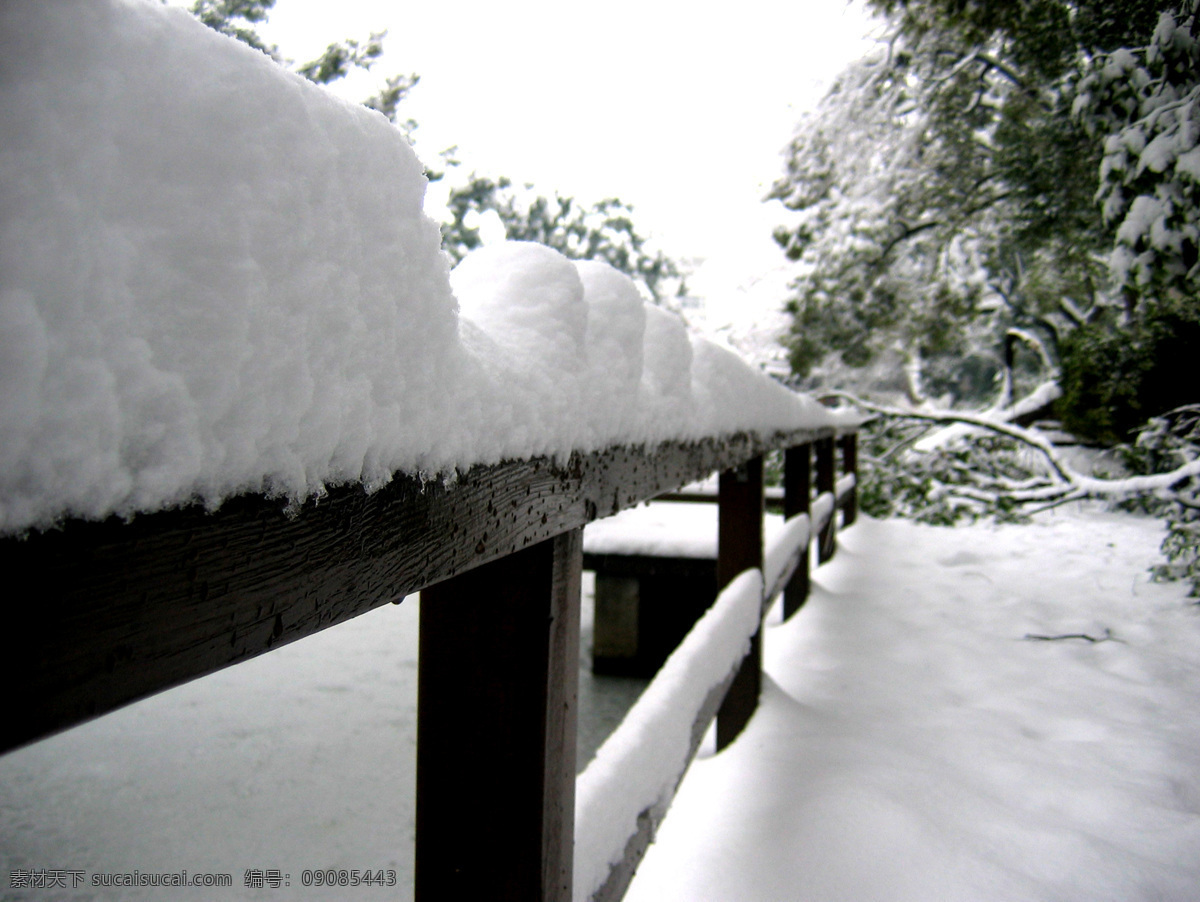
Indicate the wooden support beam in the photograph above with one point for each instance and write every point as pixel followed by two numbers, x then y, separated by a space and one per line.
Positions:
pixel 826 482
pixel 740 547
pixel 849 445
pixel 797 499
pixel 497 693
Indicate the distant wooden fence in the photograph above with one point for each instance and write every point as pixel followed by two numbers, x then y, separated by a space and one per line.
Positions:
pixel 785 570
pixel 102 614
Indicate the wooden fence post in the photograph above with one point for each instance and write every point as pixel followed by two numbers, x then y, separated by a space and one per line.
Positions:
pixel 850 465
pixel 496 707
pixel 797 498
pixel 826 482
pixel 740 547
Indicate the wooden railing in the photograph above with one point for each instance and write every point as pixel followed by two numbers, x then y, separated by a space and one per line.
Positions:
pixel 733 698
pixel 101 614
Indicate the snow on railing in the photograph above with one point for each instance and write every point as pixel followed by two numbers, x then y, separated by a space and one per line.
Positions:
pixel 279 317
pixel 782 556
pixel 626 790
pixel 630 783
pixel 845 486
pixel 247 401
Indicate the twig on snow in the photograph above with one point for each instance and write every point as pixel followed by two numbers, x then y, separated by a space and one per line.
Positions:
pixel 1107 637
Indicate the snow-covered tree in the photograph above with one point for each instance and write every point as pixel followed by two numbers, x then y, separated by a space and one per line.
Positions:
pixel 1009 192
pixel 886 259
pixel 947 212
pixel 945 197
pixel 1144 104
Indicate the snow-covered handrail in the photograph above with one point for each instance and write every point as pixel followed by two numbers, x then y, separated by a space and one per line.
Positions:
pixel 114 611
pixel 783 555
pixel 635 773
pixel 822 511
pixel 625 792
pixel 247 401
pixel 230 584
pixel 845 485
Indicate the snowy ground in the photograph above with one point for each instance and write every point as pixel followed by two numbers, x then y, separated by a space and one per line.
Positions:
pixel 913 744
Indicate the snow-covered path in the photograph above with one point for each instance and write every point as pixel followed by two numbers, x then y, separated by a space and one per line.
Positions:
pixel 914 745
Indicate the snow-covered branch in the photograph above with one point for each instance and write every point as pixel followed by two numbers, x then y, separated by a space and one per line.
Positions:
pixel 1003 411
pixel 1065 483
pixel 1034 343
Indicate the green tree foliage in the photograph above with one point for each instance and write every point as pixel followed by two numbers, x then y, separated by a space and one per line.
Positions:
pixel 1116 378
pixel 1166 443
pixel 603 231
pixel 936 487
pixel 1144 104
pixel 239 19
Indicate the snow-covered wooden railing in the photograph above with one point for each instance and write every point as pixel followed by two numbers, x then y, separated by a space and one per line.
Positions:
pixel 247 401
pixel 716 671
pixel 656 573
pixel 102 613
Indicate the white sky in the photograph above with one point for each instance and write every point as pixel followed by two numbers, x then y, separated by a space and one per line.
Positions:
pixel 679 109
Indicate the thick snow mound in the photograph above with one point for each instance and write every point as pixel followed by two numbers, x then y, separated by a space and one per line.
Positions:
pixel 616 353
pixel 524 319
pixel 528 298
pixel 217 278
pixel 667 370
pixel 213 275
pixel 732 395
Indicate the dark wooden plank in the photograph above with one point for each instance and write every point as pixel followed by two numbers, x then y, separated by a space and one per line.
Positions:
pixel 739 548
pixel 849 445
pixel 797 499
pixel 499 666
pixel 826 480
pixel 104 613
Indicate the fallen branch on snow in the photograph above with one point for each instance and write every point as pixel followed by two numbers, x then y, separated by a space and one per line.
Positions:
pixel 1064 483
pixel 1107 637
